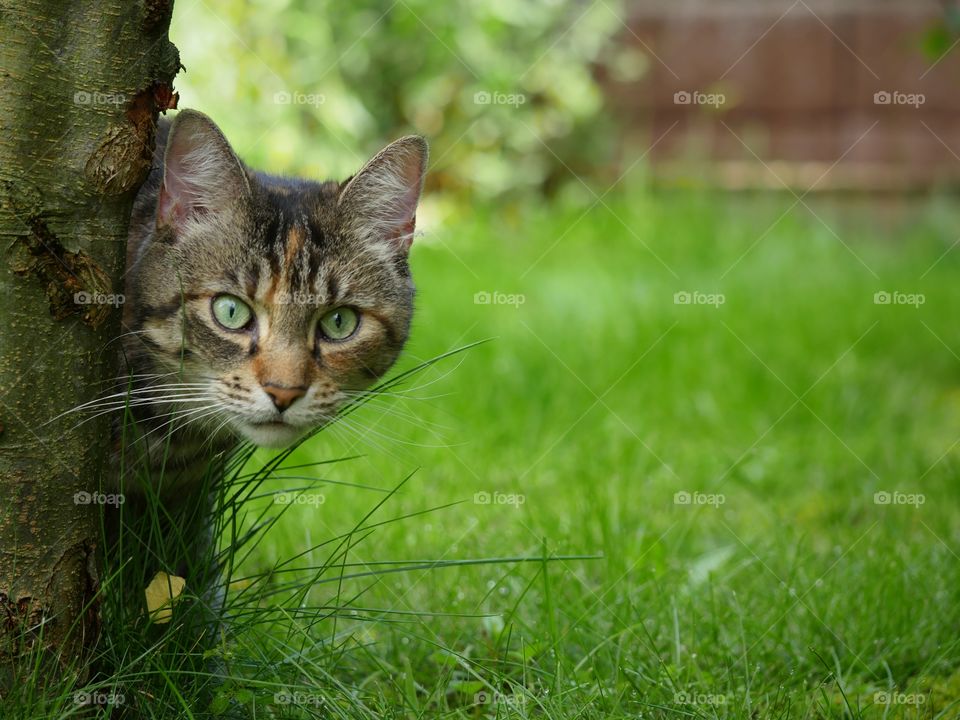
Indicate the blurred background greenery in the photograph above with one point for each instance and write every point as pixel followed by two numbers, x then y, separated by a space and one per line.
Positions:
pixel 505 91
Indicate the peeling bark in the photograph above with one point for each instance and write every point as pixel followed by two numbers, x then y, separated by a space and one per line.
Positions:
pixel 81 85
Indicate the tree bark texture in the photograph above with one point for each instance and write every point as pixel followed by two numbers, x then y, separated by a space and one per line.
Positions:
pixel 81 85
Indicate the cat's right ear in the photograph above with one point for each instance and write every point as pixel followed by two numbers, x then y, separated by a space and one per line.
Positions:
pixel 379 203
pixel 201 173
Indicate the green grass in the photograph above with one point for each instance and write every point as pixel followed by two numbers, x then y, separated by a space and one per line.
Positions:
pixel 593 404
pixel 597 400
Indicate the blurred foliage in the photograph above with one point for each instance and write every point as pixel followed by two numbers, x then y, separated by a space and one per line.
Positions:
pixel 505 90
pixel 941 36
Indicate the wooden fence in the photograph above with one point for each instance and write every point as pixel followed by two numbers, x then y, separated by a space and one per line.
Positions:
pixel 822 95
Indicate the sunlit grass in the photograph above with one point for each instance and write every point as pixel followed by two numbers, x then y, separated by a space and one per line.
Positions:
pixel 506 533
pixel 599 399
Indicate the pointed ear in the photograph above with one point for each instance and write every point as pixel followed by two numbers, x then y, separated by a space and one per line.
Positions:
pixel 379 203
pixel 201 173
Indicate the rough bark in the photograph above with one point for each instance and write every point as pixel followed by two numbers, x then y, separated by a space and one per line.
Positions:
pixel 81 84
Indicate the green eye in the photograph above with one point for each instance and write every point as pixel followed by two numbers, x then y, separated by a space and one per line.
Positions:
pixel 231 312
pixel 339 324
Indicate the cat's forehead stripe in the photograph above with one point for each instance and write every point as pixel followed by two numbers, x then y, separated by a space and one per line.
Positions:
pixel 291 258
pixel 295 237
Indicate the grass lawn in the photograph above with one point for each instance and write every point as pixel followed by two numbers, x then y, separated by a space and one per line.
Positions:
pixel 623 504
pixel 722 459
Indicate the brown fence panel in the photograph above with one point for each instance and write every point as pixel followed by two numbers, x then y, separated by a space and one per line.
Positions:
pixel 799 83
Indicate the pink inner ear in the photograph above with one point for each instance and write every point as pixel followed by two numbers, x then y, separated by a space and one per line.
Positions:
pixel 406 234
pixel 193 176
pixel 412 172
pixel 177 194
pixel 170 210
pixel 405 209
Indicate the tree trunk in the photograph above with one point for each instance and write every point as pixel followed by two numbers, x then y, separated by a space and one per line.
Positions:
pixel 81 84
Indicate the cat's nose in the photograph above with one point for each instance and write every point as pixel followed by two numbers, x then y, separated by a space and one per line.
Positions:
pixel 283 397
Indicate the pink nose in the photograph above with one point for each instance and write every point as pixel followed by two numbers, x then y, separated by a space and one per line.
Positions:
pixel 283 397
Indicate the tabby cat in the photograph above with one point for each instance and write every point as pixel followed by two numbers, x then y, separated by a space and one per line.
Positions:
pixel 256 306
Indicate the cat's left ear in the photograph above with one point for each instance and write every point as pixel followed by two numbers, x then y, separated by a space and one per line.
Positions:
pixel 379 203
pixel 201 173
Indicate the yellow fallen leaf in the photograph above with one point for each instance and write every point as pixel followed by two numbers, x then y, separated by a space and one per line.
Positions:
pixel 161 593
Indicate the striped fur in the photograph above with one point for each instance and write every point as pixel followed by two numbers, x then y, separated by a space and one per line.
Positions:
pixel 205 224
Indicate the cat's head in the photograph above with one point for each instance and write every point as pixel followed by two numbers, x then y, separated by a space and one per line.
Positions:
pixel 275 298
